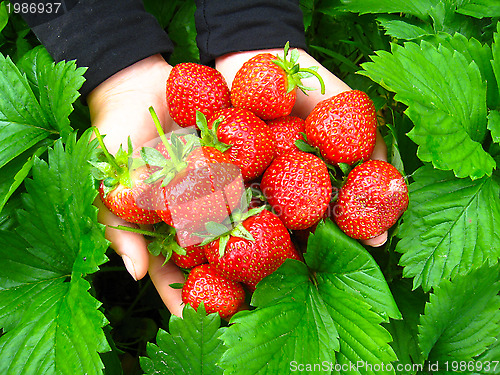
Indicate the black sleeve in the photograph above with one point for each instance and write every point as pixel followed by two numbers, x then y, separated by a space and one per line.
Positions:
pixel 103 35
pixel 225 26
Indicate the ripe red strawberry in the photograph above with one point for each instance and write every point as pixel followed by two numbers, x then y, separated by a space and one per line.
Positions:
pixel 267 84
pixel 194 87
pixel 218 294
pixel 132 203
pixel 343 127
pixel 249 261
pixel 196 184
pixel 286 131
pixel 122 189
pixel 209 188
pixel 372 199
pixel 251 143
pixel 298 188
pixel 195 255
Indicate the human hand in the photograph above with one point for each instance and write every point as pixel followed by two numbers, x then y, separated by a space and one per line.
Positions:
pixel 119 108
pixel 229 64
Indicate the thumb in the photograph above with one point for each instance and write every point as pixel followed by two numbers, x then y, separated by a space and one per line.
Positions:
pixel 376 241
pixel 132 247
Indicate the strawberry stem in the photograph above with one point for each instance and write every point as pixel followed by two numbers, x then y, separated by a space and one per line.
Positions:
pixel 109 157
pixel 316 74
pixel 178 165
pixel 293 70
pixel 141 231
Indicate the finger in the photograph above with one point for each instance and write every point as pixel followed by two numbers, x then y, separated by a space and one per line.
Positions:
pixel 380 149
pixel 132 247
pixel 376 241
pixel 164 275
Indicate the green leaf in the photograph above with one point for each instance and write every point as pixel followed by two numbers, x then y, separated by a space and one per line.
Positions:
pixel 474 51
pixel 403 28
pixel 4 15
pixel 8 219
pixel 291 316
pixel 162 10
pixel 56 333
pixel 191 347
pixel 22 121
pixel 494 125
pixel 342 262
pixel 56 218
pixel 182 31
pixel 15 171
pixel 405 332
pixel 51 323
pixel 449 227
pixel 328 308
pixel 495 61
pixel 446 100
pixel 35 104
pixel 56 86
pixel 417 8
pixel 480 8
pixel 488 363
pixel 462 317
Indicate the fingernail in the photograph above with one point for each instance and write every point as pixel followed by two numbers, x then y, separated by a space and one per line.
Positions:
pixel 129 265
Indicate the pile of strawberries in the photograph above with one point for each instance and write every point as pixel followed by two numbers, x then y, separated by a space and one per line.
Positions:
pixel 236 189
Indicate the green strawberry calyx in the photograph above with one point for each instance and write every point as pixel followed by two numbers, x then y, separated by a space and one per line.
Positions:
pixel 112 170
pixel 295 73
pixel 233 226
pixel 162 240
pixel 209 135
pixel 175 147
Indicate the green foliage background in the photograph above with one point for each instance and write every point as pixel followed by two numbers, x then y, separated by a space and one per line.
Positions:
pixel 429 296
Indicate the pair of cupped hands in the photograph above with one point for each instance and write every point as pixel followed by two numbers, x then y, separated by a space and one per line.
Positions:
pixel 119 108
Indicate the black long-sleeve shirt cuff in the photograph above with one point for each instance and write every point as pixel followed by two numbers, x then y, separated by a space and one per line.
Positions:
pixel 225 26
pixel 104 35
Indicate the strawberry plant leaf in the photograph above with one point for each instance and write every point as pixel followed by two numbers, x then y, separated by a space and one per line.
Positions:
pixel 437 15
pixel 163 11
pixel 36 101
pixel 449 227
pixel 488 363
pixel 182 31
pixel 14 172
pixel 404 28
pixel 414 7
pixel 291 316
pixel 4 15
pixel 317 307
pixel 22 122
pixel 55 86
pixel 462 317
pixel 191 347
pixel 481 54
pixel 494 125
pixel 495 62
pixel 350 268
pixel 50 321
pixel 446 100
pixel 480 8
pixel 405 332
